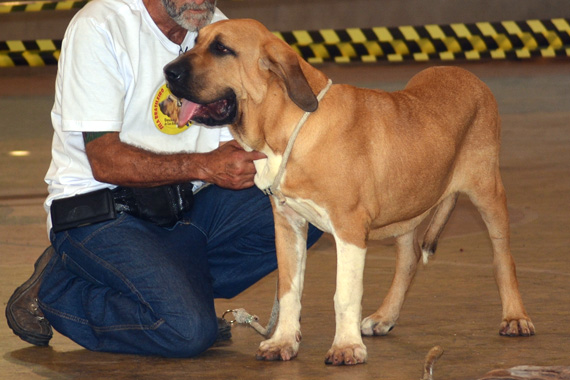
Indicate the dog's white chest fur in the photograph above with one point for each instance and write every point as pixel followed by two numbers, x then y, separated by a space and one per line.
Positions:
pixel 314 214
pixel 267 169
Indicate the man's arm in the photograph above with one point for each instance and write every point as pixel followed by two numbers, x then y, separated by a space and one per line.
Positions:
pixel 113 161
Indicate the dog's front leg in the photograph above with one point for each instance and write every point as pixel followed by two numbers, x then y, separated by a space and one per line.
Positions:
pixel 291 243
pixel 347 347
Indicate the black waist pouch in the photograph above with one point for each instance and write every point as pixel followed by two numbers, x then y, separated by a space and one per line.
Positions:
pixel 81 210
pixel 162 205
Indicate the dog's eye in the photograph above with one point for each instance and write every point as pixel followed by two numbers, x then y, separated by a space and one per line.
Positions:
pixel 219 48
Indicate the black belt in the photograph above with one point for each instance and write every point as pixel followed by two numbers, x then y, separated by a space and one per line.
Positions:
pixel 162 205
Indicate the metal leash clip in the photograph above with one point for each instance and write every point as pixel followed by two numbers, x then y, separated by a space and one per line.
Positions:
pixel 243 317
pixel 228 312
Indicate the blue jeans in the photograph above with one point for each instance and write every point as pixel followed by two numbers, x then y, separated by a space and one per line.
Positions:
pixel 130 286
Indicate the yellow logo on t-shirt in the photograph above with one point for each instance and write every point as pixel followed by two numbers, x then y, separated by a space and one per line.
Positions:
pixel 165 112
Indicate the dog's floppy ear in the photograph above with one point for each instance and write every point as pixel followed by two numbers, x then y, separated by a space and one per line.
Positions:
pixel 284 62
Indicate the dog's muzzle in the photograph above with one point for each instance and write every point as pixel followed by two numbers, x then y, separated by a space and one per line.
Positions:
pixel 221 111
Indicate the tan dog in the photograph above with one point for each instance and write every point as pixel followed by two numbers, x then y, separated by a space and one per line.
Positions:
pixel 366 165
pixel 170 107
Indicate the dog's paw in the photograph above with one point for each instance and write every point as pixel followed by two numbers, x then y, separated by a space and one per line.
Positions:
pixel 517 327
pixel 371 326
pixel 347 355
pixel 272 350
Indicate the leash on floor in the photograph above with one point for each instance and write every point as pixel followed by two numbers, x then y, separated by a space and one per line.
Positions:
pixel 241 316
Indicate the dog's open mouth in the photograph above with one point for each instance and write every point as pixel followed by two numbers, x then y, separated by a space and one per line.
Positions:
pixel 217 113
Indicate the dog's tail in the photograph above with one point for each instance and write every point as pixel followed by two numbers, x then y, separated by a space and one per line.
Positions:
pixel 432 356
pixel 438 221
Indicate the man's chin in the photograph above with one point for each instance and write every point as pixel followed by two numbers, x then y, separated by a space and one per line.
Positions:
pixel 195 21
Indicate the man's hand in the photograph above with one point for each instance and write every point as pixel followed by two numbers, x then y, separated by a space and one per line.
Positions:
pixel 231 167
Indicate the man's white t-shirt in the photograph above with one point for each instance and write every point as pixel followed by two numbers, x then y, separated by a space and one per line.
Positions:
pixel 110 78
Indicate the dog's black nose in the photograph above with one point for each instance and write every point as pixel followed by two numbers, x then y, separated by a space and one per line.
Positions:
pixel 173 72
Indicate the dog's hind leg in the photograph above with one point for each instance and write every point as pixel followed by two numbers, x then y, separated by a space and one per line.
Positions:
pixel 407 256
pixel 490 199
pixel 436 225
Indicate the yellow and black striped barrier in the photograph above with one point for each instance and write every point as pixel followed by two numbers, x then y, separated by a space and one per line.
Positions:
pixel 477 41
pixel 31 45
pixel 29 53
pixel 484 40
pixel 38 6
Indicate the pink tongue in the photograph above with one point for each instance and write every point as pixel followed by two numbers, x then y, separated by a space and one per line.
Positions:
pixel 187 110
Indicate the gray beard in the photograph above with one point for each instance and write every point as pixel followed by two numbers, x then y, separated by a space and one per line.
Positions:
pixel 194 22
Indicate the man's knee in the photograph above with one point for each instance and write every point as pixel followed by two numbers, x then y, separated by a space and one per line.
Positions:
pixel 186 341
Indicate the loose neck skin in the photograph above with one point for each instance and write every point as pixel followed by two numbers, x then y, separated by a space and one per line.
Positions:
pixel 272 130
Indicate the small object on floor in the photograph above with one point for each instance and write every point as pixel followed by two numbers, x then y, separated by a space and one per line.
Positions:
pixel 524 372
pixel 432 356
pixel 528 372
pixel 22 311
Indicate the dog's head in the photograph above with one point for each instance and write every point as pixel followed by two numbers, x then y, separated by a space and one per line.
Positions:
pixel 170 107
pixel 230 68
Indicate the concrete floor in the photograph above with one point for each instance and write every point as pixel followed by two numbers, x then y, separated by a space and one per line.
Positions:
pixel 453 302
